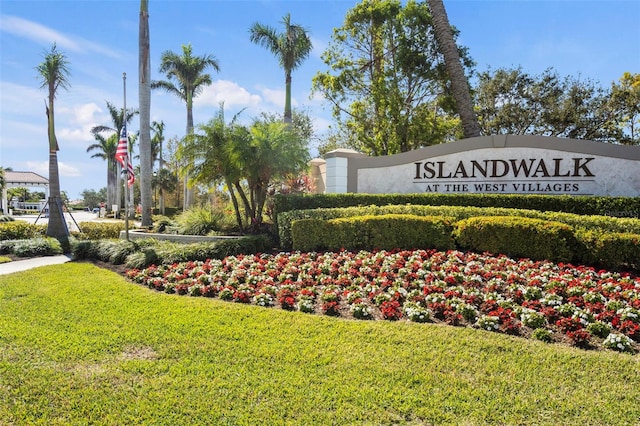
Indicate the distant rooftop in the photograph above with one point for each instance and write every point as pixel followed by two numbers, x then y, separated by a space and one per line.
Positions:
pixel 17 179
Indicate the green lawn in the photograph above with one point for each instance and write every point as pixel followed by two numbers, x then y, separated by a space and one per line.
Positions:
pixel 80 345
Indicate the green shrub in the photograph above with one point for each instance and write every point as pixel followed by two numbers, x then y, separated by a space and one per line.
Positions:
pixel 611 250
pixel 172 211
pixel 120 250
pixel 581 205
pixel 37 247
pixel 285 219
pixel 603 223
pixel 161 223
pixel 142 259
pixel 99 230
pixel 6 246
pixel 318 234
pixel 21 230
pixel 518 237
pixel 373 232
pixel 410 231
pixel 167 252
pixel 84 249
pixel 542 334
pixel 599 328
pixel 114 251
pixel 199 221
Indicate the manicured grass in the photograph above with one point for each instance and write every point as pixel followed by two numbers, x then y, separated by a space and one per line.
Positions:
pixel 80 345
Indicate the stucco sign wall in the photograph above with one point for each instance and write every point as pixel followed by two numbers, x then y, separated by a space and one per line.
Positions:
pixel 506 164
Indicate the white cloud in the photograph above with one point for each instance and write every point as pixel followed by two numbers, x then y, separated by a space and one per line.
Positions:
pixel 42 168
pixel 75 122
pixel 319 46
pixel 317 97
pixel 45 35
pixel 74 135
pixel 276 96
pixel 68 170
pixel 21 98
pixel 86 113
pixel 228 92
pixel 320 124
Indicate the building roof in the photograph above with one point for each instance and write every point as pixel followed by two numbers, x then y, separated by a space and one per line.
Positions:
pixel 18 179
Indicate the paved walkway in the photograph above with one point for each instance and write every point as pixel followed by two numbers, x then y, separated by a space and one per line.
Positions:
pixel 23 265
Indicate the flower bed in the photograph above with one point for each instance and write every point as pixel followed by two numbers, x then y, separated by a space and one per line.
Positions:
pixel 551 302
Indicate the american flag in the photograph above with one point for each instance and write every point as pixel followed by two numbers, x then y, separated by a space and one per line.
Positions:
pixel 122 155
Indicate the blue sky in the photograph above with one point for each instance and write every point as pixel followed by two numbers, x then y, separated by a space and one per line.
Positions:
pixel 596 40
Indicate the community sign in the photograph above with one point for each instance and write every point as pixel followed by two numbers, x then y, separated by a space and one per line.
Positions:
pixel 504 164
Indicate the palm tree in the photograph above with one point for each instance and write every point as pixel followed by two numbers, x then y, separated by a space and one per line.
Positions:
pixel 185 79
pixel 276 151
pixel 144 96
pixel 257 156
pixel 291 48
pixel 156 153
pixel 2 183
pixel 54 73
pixel 112 131
pixel 210 152
pixel 156 143
pixel 459 83
pixel 106 150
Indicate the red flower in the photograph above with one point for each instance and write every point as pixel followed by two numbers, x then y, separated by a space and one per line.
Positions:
pixel 579 337
pixel 569 324
pixel 331 308
pixel 391 310
pixel 242 296
pixel 438 309
pixel 488 306
pixel 550 314
pixel 631 329
pixel 287 299
pixel 452 317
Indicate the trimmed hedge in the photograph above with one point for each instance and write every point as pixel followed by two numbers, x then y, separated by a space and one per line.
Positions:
pixel 31 247
pixel 612 250
pixel 518 237
pixel 600 223
pixel 373 232
pixel 21 230
pixel 99 230
pixel 584 205
pixel 535 238
pixel 142 253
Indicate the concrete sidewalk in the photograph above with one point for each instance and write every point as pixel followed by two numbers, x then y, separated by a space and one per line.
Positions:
pixel 23 265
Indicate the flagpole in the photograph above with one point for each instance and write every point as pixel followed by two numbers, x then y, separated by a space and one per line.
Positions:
pixel 124 181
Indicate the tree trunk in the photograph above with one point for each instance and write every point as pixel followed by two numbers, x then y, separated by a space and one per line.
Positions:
pixel 236 206
pixel 112 181
pixel 261 198
pixel 161 188
pixel 459 83
pixel 56 227
pixel 287 99
pixel 247 205
pixel 188 192
pixel 144 96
